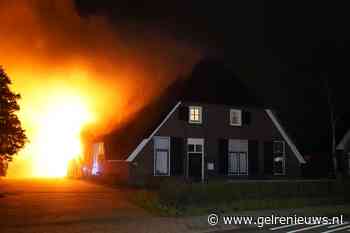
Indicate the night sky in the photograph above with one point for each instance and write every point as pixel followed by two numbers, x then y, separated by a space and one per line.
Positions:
pixel 281 51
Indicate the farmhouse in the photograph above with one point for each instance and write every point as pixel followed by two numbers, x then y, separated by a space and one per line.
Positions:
pixel 206 127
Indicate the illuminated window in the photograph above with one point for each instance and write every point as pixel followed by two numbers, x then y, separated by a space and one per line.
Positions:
pixel 235 117
pixel 195 114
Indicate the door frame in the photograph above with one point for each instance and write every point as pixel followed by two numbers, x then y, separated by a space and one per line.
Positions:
pixel 195 141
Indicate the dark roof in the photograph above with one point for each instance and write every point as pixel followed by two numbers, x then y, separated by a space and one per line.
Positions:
pixel 210 82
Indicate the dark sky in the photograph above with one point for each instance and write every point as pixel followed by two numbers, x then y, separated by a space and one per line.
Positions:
pixel 279 49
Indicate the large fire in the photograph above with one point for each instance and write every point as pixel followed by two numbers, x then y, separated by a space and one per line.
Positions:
pixel 72 72
pixel 58 136
pixel 53 120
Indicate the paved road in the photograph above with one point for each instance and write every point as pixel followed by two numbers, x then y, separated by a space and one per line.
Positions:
pixel 73 206
pixel 58 205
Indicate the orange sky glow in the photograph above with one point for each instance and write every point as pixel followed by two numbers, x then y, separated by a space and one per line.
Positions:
pixel 75 73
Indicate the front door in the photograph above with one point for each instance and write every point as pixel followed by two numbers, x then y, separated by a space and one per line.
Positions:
pixel 195 158
pixel 195 166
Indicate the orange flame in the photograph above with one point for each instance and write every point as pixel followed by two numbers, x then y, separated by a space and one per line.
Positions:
pixel 72 72
pixel 58 137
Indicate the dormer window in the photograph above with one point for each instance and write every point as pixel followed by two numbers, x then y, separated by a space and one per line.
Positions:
pixel 195 115
pixel 235 117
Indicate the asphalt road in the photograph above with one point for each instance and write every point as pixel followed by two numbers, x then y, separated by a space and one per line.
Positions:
pixel 63 205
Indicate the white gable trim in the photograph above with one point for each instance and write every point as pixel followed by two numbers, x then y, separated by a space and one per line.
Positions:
pixel 144 142
pixel 137 150
pixel 285 136
pixel 341 145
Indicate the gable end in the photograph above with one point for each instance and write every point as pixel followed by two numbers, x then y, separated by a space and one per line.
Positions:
pixel 285 136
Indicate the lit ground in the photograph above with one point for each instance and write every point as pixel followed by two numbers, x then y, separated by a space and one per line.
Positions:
pixel 73 206
pixel 62 205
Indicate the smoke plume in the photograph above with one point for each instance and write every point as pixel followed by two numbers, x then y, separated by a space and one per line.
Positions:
pixel 50 52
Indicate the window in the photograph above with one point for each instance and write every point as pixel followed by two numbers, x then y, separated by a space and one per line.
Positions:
pixel 237 163
pixel 195 148
pixel 279 160
pixel 235 117
pixel 195 114
pixel 190 148
pixel 161 156
pixel 238 157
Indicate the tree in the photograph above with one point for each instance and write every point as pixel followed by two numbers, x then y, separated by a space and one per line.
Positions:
pixel 333 120
pixel 12 136
pixel 331 61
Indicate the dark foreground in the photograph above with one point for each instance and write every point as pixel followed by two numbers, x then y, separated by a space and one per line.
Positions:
pixel 62 205
pixel 73 206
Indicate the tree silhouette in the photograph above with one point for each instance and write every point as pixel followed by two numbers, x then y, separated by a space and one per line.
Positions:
pixel 330 62
pixel 12 136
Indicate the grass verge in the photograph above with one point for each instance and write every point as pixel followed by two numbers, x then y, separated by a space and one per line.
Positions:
pixel 149 200
pixel 201 199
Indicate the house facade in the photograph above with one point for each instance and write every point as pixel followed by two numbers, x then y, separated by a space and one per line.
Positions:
pixel 198 141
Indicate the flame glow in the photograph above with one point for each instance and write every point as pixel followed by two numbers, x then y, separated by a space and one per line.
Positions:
pixel 72 72
pixel 54 111
pixel 54 122
pixel 60 127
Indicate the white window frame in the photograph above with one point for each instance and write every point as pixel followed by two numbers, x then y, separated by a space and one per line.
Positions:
pixel 284 157
pixel 243 148
pixel 240 173
pixel 235 111
pixel 155 156
pixel 200 115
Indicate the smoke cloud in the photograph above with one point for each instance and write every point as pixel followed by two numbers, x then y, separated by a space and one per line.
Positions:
pixel 49 51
